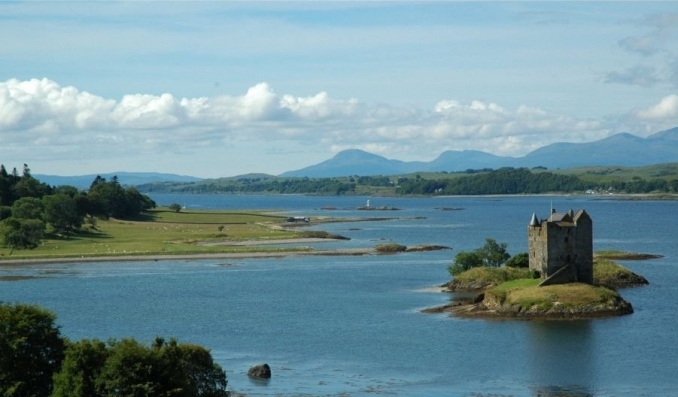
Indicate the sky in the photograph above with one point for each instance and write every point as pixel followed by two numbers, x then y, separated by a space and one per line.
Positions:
pixel 217 88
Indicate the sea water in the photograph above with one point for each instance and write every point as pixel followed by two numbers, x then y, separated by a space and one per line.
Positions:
pixel 351 325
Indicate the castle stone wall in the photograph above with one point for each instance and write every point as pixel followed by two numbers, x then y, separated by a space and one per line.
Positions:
pixel 556 244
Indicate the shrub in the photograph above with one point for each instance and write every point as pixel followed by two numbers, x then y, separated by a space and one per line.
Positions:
pixel 390 248
pixel 464 261
pixel 519 260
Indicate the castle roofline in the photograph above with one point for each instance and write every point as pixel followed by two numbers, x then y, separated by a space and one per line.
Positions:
pixel 560 217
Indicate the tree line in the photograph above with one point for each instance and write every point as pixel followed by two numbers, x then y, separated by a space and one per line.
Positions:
pixel 501 181
pixel 29 209
pixel 506 180
pixel 36 361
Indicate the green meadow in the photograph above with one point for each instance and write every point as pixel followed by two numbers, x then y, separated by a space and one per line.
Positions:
pixel 164 232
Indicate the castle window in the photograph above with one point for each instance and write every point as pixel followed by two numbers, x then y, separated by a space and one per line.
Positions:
pixel 566 239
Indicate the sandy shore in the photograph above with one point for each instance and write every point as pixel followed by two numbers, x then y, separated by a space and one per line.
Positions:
pixel 217 255
pixel 251 243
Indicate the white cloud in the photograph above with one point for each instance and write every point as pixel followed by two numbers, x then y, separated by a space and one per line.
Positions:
pixel 665 110
pixel 40 116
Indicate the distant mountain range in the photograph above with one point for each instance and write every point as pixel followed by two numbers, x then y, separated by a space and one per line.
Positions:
pixel 621 150
pixel 125 179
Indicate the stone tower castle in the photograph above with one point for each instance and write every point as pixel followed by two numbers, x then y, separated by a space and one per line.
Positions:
pixel 561 247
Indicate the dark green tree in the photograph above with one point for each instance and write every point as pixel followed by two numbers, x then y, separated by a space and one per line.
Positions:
pixel 493 254
pixel 6 193
pixel 464 261
pixel 81 369
pixel 19 233
pixel 110 195
pixel 70 191
pixel 5 212
pixel 62 213
pixel 519 260
pixel 128 368
pixel 27 186
pixel 109 199
pixel 176 207
pixel 31 350
pixel 28 208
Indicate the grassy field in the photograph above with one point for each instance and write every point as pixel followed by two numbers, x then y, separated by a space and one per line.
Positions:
pixel 526 294
pixel 164 232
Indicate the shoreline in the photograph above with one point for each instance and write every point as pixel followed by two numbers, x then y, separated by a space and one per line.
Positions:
pixel 189 256
pixel 206 255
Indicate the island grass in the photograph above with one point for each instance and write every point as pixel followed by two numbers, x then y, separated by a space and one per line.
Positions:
pixel 163 232
pixel 606 270
pixel 527 294
pixel 623 255
pixel 493 275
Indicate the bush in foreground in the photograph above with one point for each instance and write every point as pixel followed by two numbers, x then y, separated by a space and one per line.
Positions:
pixel 31 350
pixel 36 361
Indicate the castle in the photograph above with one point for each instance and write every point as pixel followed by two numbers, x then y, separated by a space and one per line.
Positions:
pixel 561 247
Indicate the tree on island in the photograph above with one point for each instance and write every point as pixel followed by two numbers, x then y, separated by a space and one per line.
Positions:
pixel 519 260
pixel 492 254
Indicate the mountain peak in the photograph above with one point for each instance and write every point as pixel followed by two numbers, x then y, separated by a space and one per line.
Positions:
pixel 621 149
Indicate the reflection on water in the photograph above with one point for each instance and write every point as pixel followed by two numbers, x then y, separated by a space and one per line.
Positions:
pixel 559 391
pixel 562 362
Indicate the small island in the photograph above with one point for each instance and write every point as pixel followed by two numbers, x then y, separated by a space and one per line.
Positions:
pixel 560 278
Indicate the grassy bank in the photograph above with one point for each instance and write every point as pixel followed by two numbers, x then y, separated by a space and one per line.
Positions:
pixel 609 273
pixel 162 232
pixel 624 255
pixel 525 298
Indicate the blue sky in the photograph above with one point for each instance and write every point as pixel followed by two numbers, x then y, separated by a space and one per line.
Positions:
pixel 225 88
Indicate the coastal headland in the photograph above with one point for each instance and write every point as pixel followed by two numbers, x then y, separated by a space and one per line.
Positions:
pixel 162 234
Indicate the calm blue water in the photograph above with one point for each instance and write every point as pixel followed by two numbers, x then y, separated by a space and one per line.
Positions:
pixel 351 325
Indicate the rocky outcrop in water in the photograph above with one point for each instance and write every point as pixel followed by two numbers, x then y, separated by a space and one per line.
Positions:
pixel 260 371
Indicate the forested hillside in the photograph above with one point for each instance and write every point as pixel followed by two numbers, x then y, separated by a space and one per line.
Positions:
pixel 508 180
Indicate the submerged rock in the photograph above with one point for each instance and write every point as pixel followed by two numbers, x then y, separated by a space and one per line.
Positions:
pixel 261 371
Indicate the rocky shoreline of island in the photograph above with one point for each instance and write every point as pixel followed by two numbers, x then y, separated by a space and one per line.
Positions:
pixel 607 303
